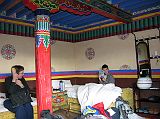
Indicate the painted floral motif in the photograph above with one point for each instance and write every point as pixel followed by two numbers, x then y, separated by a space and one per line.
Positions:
pixel 52 41
pixel 46 4
pixel 123 36
pixel 90 53
pixel 8 51
pixel 125 67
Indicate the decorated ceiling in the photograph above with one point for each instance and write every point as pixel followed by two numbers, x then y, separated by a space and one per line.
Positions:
pixel 80 20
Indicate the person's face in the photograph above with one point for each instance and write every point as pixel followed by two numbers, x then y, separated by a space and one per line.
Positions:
pixel 105 70
pixel 20 75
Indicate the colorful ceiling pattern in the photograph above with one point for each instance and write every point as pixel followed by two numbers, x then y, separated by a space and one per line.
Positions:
pixel 81 7
pixel 16 18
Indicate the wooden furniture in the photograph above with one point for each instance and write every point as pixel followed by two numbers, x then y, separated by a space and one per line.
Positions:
pixel 147 101
pixel 59 100
pixel 74 105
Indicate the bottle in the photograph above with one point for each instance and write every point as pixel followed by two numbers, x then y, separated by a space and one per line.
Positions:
pixel 61 86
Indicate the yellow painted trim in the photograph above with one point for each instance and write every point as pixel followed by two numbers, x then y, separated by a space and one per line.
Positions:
pixel 94 28
pixel 61 30
pixel 87 76
pixel 58 77
pixel 155 76
pixel 16 22
pixel 125 76
pixel 1 80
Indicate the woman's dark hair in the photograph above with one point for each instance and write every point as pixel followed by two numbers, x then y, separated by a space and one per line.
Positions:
pixel 105 66
pixel 18 68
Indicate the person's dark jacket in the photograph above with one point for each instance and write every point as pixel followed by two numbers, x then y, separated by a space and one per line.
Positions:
pixel 12 88
pixel 15 93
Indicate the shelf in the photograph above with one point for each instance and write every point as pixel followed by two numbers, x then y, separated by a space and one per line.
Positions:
pixel 146 100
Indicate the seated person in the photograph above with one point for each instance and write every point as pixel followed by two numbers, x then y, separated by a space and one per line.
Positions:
pixel 104 76
pixel 17 92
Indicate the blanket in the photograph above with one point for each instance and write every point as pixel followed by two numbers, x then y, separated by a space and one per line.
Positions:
pixel 92 93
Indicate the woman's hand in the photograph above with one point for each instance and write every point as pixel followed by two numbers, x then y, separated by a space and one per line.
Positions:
pixel 18 82
pixel 15 75
pixel 103 79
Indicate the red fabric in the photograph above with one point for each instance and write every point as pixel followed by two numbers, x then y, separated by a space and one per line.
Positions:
pixel 100 108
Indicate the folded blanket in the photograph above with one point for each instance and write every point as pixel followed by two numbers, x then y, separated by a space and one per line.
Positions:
pixel 92 93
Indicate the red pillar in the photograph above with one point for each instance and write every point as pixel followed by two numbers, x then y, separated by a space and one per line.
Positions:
pixel 43 61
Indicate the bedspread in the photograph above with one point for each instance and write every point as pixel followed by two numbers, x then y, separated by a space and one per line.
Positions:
pixel 92 93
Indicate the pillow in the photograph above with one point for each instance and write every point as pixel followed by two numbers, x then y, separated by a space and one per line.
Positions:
pixel 55 84
pixel 67 83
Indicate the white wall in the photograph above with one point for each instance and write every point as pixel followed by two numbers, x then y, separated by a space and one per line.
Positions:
pixel 111 50
pixel 62 54
pixel 71 56
pixel 24 52
pixel 114 51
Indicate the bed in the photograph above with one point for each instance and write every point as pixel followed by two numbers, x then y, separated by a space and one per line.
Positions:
pixel 5 114
pixel 73 102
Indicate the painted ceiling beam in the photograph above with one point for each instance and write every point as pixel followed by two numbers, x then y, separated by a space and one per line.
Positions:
pixel 82 18
pixel 132 2
pixel 57 14
pixel 105 9
pixel 67 19
pixel 5 4
pixel 1 1
pixel 62 15
pixel 99 23
pixel 15 9
pixel 119 1
pixel 23 12
pixel 82 7
pixel 89 21
pixel 140 4
pixel 14 2
pixel 30 16
pixel 145 6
